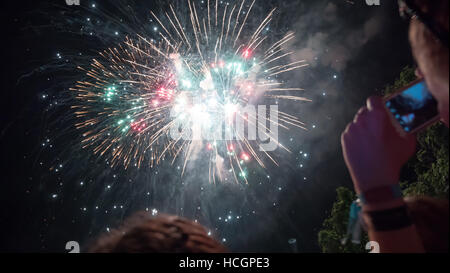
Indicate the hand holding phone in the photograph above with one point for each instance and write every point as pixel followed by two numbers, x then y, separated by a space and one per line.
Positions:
pixel 373 149
pixel 413 108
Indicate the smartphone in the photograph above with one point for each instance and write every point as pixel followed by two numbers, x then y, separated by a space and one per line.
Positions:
pixel 413 108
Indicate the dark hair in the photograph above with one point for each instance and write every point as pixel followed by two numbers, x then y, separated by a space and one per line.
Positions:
pixel 437 9
pixel 143 233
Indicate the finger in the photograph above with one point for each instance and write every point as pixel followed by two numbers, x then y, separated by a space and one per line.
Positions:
pixel 362 110
pixel 347 129
pixel 361 114
pixel 419 73
pixel 374 103
pixel 343 139
pixel 346 134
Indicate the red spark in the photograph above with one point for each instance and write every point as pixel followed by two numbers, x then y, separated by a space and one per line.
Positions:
pixel 247 54
pixel 138 126
pixel 245 157
pixel 164 93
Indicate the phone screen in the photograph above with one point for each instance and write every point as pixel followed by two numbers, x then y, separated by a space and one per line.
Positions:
pixel 413 107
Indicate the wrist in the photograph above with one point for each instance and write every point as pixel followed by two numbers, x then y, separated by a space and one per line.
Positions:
pixel 365 185
pixel 387 220
pixel 382 197
pixel 394 203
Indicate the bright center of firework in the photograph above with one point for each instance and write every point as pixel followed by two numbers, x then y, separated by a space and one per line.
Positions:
pixel 204 94
pixel 230 109
pixel 201 115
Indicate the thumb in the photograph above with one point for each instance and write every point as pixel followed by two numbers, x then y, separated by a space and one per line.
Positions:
pixel 375 103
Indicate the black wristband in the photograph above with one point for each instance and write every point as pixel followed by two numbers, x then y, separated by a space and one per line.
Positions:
pixel 392 219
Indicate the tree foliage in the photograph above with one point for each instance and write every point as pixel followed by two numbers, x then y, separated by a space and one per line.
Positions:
pixel 425 174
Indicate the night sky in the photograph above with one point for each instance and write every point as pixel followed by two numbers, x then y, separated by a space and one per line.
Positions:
pixel 53 192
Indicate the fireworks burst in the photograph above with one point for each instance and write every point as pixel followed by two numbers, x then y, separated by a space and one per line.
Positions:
pixel 199 75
